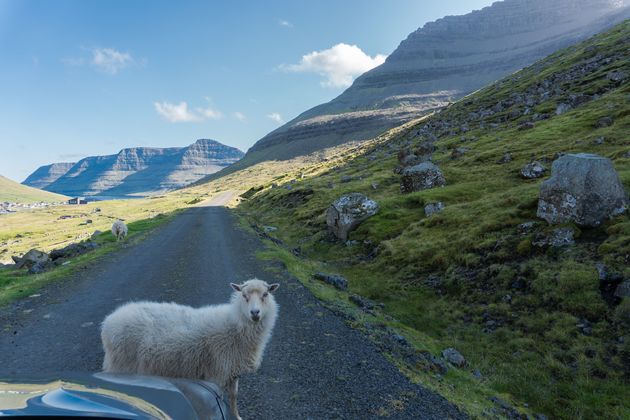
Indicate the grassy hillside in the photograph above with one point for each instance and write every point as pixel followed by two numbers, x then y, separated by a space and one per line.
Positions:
pixel 468 277
pixel 15 192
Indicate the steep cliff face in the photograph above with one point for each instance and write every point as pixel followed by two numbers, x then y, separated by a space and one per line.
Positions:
pixel 143 170
pixel 46 175
pixel 440 62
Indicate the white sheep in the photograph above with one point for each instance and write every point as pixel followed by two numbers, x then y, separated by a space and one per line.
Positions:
pixel 119 230
pixel 218 343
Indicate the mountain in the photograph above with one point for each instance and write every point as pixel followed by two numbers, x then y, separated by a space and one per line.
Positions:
pixel 15 192
pixel 136 171
pixel 47 174
pixel 440 62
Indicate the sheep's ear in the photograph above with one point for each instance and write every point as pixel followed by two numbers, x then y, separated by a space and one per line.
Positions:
pixel 273 287
pixel 235 287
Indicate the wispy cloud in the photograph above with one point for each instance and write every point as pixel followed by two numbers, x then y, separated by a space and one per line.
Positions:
pixel 285 23
pixel 181 113
pixel 276 117
pixel 105 60
pixel 240 116
pixel 339 65
pixel 109 60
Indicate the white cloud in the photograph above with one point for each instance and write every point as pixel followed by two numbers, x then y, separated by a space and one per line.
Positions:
pixel 109 60
pixel 240 116
pixel 210 113
pixel 285 23
pixel 276 117
pixel 339 65
pixel 180 113
pixel 176 112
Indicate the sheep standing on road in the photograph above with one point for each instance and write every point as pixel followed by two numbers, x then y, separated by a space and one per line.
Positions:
pixel 218 343
pixel 119 230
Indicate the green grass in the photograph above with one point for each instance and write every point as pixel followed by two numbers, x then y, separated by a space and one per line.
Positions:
pixel 487 270
pixel 17 193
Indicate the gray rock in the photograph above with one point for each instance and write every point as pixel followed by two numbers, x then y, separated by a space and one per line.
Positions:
pixel 526 125
pixel 374 185
pixel 525 227
pixel 623 290
pixel 31 258
pixel 421 177
pixel 507 157
pixel 96 234
pixel 617 76
pixel 348 212
pixel 72 250
pixel 270 229
pixel 584 189
pixel 558 238
pixel 604 122
pixel 454 357
pixel 334 280
pixel 459 152
pixel 433 208
pixel 533 170
pixel 345 179
pixel 40 267
pixel 361 302
pixel 563 108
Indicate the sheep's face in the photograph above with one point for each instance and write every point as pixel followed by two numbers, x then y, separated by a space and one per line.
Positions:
pixel 255 297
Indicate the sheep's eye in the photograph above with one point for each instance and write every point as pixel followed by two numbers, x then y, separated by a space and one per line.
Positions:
pixel 245 296
pixel 265 295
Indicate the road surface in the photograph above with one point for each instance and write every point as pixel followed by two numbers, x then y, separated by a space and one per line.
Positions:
pixel 315 367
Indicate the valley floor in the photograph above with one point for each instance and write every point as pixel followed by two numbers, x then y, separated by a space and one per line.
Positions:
pixel 316 366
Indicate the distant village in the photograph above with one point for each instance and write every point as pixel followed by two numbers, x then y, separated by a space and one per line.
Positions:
pixel 12 207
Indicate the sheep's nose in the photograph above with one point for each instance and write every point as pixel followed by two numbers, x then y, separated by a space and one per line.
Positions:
pixel 255 312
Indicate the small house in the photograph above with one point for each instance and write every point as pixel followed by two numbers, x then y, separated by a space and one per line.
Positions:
pixel 77 200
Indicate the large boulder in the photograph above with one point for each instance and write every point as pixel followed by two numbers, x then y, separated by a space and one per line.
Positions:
pixel 421 177
pixel 347 212
pixel 31 258
pixel 583 188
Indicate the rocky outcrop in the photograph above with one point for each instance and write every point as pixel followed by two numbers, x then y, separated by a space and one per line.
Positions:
pixel 348 212
pixel 141 171
pixel 533 170
pixel 438 63
pixel 421 177
pixel 583 188
pixel 46 175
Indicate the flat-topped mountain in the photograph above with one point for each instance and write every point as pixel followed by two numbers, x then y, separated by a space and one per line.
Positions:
pixel 440 62
pixel 47 174
pixel 137 171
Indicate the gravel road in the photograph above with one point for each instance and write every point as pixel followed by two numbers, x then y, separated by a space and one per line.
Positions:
pixel 315 367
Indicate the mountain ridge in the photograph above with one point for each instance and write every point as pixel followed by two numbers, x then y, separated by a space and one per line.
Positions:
pixel 440 62
pixel 138 171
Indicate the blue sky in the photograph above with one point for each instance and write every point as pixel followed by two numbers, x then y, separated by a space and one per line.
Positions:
pixel 81 78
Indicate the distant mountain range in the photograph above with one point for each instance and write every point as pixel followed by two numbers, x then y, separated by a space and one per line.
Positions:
pixel 137 171
pixel 440 62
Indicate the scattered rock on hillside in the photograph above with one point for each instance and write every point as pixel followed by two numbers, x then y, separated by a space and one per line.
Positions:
pixel 584 189
pixel 361 302
pixel 454 357
pixel 459 152
pixel 506 158
pixel 345 179
pixel 558 238
pixel 40 267
pixel 563 108
pixel 533 170
pixel 526 227
pixel 617 76
pixel 31 258
pixel 623 290
pixel 334 280
pixel 96 234
pixel 421 177
pixel 348 212
pixel 604 122
pixel 433 208
pixel 526 125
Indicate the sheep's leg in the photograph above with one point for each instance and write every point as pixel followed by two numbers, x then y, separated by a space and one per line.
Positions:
pixel 232 395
